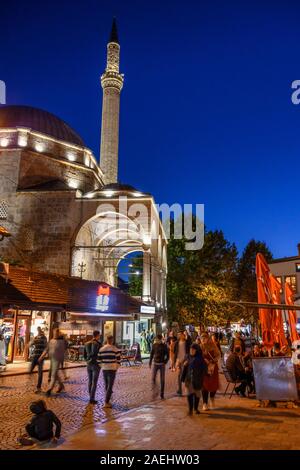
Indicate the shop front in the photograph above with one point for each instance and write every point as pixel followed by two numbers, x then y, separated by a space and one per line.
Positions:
pixel 76 306
pixel 139 331
pixel 18 327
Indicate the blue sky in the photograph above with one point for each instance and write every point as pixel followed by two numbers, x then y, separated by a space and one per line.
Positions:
pixel 206 111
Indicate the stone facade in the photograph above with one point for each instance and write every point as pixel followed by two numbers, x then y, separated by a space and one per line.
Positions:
pixel 55 203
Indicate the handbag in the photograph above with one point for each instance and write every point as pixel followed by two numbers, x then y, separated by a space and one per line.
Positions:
pixel 211 366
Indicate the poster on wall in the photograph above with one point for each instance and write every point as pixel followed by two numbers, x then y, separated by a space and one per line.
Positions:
pixel 108 329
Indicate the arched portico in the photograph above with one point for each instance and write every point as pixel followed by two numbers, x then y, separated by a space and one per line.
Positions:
pixel 108 236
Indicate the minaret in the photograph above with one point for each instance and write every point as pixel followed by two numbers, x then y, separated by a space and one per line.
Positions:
pixel 112 83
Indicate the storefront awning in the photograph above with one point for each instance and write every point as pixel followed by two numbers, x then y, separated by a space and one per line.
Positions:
pixel 45 291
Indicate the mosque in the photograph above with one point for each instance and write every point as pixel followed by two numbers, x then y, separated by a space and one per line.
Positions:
pixel 67 215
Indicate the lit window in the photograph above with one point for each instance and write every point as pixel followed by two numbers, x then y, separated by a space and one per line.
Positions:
pixel 297 267
pixel 292 282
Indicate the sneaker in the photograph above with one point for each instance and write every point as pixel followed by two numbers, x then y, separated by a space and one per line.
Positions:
pixel 162 397
pixel 107 405
pixel 60 389
pixel 197 412
pixel 205 407
pixel 93 402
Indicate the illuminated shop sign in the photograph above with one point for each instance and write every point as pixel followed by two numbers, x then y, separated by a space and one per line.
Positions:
pixel 147 309
pixel 102 300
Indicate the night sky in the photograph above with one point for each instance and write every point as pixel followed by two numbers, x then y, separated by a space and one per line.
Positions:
pixel 206 111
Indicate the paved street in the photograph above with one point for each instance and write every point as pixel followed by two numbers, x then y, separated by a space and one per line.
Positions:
pixel 132 389
pixel 234 424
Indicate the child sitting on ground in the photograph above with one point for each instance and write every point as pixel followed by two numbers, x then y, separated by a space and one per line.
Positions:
pixel 41 425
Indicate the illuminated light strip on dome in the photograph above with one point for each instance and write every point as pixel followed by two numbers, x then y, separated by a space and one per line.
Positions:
pixel 95 167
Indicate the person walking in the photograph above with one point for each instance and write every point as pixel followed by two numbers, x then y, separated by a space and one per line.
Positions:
pixel 181 350
pixel 211 356
pixel 38 344
pixel 61 366
pixel 56 351
pixel 193 375
pixel 91 355
pixel 172 354
pixel 110 359
pixel 159 357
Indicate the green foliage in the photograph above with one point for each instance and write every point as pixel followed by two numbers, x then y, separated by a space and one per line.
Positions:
pixel 135 281
pixel 201 283
pixel 194 276
pixel 246 278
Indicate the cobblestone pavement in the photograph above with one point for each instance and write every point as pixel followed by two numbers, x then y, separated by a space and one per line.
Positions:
pixel 132 389
pixel 234 424
pixel 136 422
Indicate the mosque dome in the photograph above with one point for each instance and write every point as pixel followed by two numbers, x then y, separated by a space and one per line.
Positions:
pixel 40 121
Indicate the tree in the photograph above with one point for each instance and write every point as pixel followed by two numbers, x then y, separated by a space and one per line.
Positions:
pixel 246 277
pixel 193 277
pixel 215 309
pixel 135 280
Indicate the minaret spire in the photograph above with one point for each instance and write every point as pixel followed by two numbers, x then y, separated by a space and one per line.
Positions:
pixel 112 83
pixel 114 32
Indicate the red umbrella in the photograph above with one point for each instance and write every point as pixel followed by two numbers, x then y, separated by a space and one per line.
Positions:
pixel 264 293
pixel 292 313
pixel 278 329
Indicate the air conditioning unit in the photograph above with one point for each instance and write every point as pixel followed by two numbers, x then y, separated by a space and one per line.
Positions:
pixel 4 268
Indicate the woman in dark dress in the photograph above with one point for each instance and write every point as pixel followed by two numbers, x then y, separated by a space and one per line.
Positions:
pixel 192 375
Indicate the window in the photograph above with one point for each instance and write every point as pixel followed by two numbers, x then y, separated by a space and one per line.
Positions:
pixel 3 210
pixel 297 267
pixel 292 282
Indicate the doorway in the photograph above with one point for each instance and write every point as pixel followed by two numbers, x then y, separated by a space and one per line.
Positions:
pixel 22 338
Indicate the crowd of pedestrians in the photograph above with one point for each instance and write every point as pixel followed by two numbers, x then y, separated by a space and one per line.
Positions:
pixel 194 357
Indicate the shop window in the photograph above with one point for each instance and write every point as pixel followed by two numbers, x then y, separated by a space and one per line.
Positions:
pixel 3 210
pixel 292 280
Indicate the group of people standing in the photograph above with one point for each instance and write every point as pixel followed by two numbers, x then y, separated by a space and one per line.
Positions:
pixel 196 364
pixel 147 338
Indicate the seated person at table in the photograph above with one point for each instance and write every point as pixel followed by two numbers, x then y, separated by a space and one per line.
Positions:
pixel 257 352
pixel 238 371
